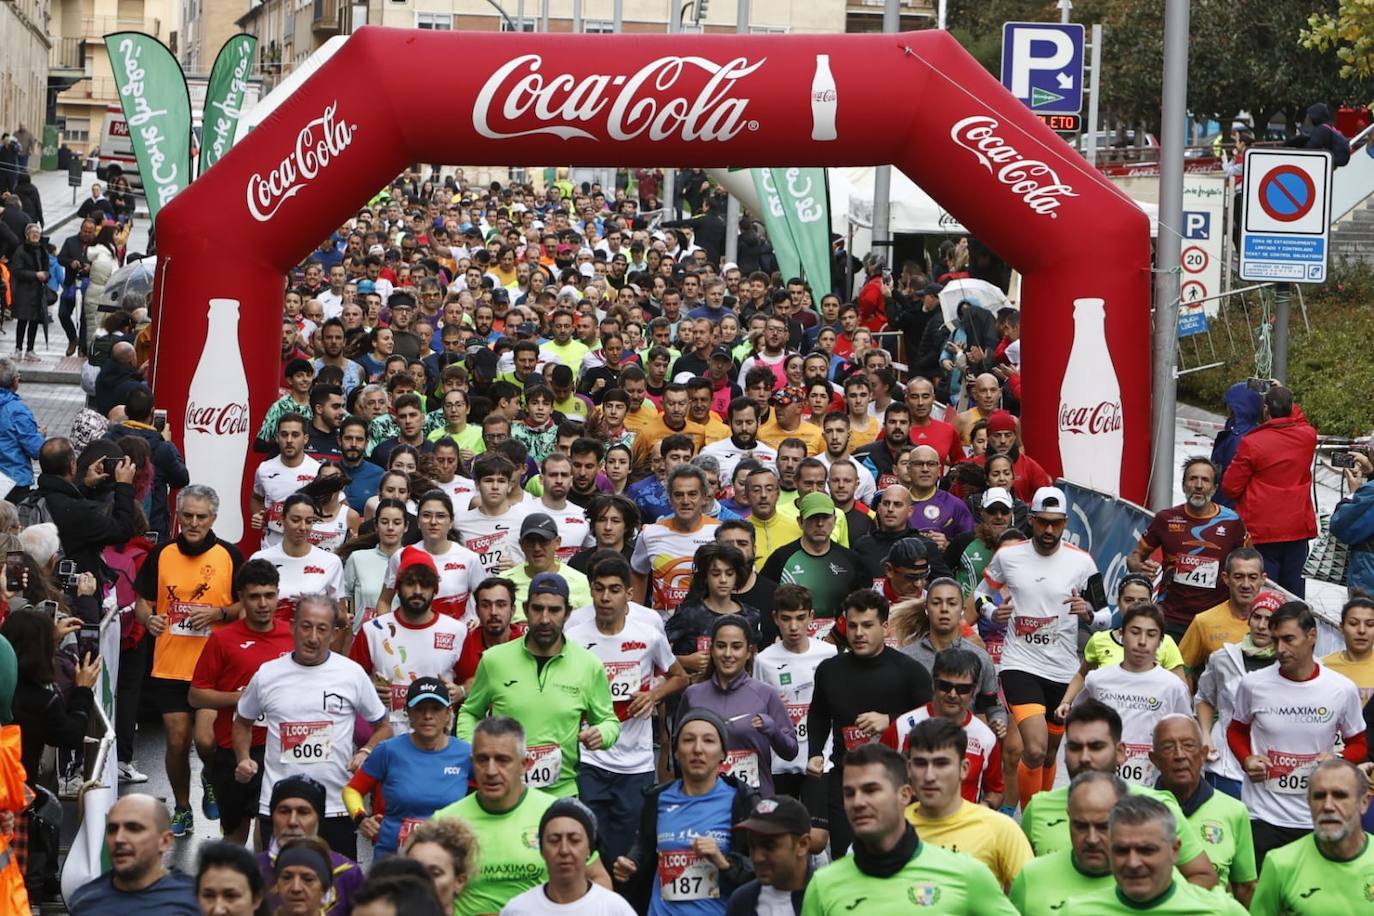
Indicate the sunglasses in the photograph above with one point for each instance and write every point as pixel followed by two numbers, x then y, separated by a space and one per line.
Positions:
pixel 944 686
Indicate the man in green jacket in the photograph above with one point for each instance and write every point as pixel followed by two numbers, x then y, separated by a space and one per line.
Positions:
pixel 549 686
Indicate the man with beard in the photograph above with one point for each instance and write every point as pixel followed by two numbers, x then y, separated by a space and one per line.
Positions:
pixel 586 454
pixel 494 599
pixel 332 338
pixel 364 475
pixel 326 413
pixel 743 441
pixel 881 456
pixel 1222 821
pixel 1047 881
pixel 297 809
pixel 549 685
pixel 1003 439
pixel 413 641
pixel 138 835
pixel 1328 871
pixel 1195 538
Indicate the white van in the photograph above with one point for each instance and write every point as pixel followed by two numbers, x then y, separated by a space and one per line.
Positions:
pixel 116 148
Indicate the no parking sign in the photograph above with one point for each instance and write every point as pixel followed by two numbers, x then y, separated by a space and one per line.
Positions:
pixel 1287 218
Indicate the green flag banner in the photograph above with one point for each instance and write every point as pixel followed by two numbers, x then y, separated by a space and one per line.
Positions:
pixel 224 97
pixel 797 216
pixel 157 107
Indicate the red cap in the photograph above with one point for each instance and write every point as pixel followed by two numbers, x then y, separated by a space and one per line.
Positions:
pixel 1268 599
pixel 415 556
pixel 1001 421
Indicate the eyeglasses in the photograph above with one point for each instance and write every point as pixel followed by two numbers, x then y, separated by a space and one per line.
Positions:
pixel 913 575
pixel 944 686
pixel 1049 522
pixel 996 510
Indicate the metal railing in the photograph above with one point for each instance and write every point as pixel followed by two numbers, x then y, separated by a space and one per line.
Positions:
pixel 95 88
pixel 100 26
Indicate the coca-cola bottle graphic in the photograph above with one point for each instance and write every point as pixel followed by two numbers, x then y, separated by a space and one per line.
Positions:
pixel 216 428
pixel 1090 425
pixel 823 100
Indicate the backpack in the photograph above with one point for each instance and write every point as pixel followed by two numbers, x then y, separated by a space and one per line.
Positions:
pixel 33 509
pixel 1340 149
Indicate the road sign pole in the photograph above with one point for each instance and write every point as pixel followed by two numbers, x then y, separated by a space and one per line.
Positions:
pixel 882 175
pixel 1283 293
pixel 1168 251
pixel 1094 90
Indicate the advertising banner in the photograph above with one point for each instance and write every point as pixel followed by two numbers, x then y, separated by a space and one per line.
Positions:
pixel 224 97
pixel 157 108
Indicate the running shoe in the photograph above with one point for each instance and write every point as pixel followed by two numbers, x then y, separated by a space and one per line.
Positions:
pixel 183 822
pixel 209 805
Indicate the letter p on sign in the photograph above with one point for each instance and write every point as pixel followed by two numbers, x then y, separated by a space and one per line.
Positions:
pixel 1042 65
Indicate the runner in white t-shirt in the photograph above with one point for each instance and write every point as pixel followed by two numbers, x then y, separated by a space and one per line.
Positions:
pixel 642 672
pixel 303 568
pixel 279 477
pixel 460 570
pixel 1036 587
pixel 1286 718
pixel 309 701
pixel 489 529
pixel 412 642
pixel 1139 689
pixel 743 417
pixel 574 531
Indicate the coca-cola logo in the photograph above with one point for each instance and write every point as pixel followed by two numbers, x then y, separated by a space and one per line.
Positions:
pixel 219 419
pixel 650 100
pixel 1090 420
pixel 824 95
pixel 1037 183
pixel 319 143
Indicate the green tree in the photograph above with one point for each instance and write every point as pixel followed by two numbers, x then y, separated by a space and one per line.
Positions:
pixel 1349 31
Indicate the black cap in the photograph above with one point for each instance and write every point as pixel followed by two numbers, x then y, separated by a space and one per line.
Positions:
pixel 296 786
pixel 483 362
pixel 500 294
pixel 908 552
pixel 538 525
pixel 777 815
pixel 575 809
pixel 427 688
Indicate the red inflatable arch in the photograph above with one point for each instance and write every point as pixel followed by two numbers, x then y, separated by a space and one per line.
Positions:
pixel 917 101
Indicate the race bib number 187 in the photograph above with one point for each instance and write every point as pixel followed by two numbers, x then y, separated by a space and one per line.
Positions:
pixel 684 875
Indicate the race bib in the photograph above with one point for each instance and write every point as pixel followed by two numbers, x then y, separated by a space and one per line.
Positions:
pixel 407 824
pixel 368 614
pixel 1138 770
pixel 454 606
pixel 272 515
pixel 179 619
pixel 490 549
pixel 704 644
pixel 743 765
pixel 994 649
pixel 543 765
pixel 398 703
pixel 1287 774
pixel 625 681
pixel 684 875
pixel 854 736
pixel 1035 631
pixel 1197 571
pixel 820 627
pixel 797 713
pixel 306 742
pixel 286 609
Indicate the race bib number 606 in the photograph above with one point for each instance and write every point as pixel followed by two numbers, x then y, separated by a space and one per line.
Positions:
pixel 306 742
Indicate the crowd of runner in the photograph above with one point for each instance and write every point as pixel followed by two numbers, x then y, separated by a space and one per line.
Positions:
pixel 599 574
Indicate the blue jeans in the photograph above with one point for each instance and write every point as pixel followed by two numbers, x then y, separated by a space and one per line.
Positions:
pixel 1283 562
pixel 1230 787
pixel 617 800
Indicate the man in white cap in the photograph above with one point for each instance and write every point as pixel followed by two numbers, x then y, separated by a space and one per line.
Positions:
pixel 1038 588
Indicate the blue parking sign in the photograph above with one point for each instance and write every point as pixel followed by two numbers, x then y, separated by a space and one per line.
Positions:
pixel 1042 65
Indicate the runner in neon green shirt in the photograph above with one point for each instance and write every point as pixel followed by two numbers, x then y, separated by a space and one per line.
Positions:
pixel 1330 871
pixel 1142 841
pixel 1222 822
pixel 549 685
pixel 504 813
pixel 890 870
pixel 1092 741
pixel 1045 883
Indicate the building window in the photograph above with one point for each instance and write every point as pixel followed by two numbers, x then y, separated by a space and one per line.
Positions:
pixel 598 26
pixel 768 30
pixel 527 26
pixel 77 130
pixel 438 21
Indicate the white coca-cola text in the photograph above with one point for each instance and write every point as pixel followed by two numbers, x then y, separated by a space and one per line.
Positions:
pixel 626 105
pixel 1037 184
pixel 1092 420
pixel 319 143
pixel 217 419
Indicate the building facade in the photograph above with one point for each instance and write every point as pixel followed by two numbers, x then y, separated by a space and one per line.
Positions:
pixel 24 48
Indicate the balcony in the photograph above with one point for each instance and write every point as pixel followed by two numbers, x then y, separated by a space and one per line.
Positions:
pixel 100 26
pixel 325 21
pixel 867 15
pixel 67 54
pixel 96 90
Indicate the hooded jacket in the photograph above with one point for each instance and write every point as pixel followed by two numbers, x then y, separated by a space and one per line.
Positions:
pixel 20 439
pixel 1270 480
pixel 169 470
pixel 113 385
pixel 85 525
pixel 1244 405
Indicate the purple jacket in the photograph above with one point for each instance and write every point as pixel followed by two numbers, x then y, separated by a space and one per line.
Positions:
pixel 338 900
pixel 746 698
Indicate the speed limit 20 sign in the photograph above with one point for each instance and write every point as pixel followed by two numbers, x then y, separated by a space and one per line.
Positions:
pixel 1202 230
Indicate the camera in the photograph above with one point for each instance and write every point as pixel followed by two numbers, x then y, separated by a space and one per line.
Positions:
pixel 1343 459
pixel 14 570
pixel 1259 385
pixel 160 420
pixel 110 465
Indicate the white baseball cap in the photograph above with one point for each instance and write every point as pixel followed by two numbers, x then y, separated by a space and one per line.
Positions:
pixel 1050 501
pixel 997 496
